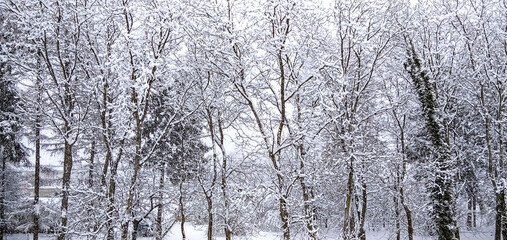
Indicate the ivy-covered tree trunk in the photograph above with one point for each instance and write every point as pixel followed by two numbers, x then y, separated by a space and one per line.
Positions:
pixel 441 191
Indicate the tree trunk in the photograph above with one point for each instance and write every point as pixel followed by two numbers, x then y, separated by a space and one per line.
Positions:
pixel 500 209
pixel 209 194
pixel 109 166
pixel 160 209
pixel 470 213
pixel 308 209
pixel 227 227
pixel 397 217
pixel 502 212
pixel 182 211
pixel 2 193
pixel 501 171
pixel 36 185
pixel 474 207
pixel 441 191
pixel 348 217
pixel 111 204
pixel 284 215
pixel 92 204
pixel 408 213
pixel 362 232
pixel 137 163
pixel 135 224
pixel 91 166
pixel 209 201
pixel 307 204
pixel 210 217
pixel 492 173
pixel 36 226
pixel 67 170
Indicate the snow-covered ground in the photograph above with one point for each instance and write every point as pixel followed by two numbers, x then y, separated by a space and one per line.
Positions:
pixel 193 232
pixel 27 237
pixel 198 232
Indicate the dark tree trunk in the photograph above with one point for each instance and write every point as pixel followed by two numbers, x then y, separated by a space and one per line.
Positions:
pixel 182 211
pixel 210 217
pixel 348 224
pixel 67 170
pixel 91 166
pixel 2 194
pixel 474 207
pixel 470 214
pixel 408 213
pixel 135 224
pixel 397 217
pixel 92 204
pixel 160 209
pixel 362 232
pixel 501 212
pixel 110 204
pixel 36 189
pixel 227 227
pixel 284 215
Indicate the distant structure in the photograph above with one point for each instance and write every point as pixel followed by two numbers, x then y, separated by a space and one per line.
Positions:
pixel 50 181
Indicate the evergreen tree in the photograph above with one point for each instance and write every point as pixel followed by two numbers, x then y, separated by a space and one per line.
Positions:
pixel 11 149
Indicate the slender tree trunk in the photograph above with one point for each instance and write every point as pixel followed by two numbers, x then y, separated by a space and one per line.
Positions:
pixel 501 171
pixel 91 165
pixel 307 203
pixel 111 204
pixel 492 173
pixel 36 226
pixel 111 209
pixel 135 225
pixel 67 170
pixel 109 166
pixel 227 227
pixel 348 230
pixel 284 215
pixel 182 211
pixel 408 213
pixel 397 217
pixel 208 194
pixel 308 209
pixel 160 209
pixel 470 213
pixel 474 207
pixel 2 193
pixel 362 232
pixel 36 189
pixel 210 218
pixel 502 212
pixel 498 224
pixel 499 218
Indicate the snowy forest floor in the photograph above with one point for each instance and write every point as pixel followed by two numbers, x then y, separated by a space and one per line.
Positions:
pixel 197 232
